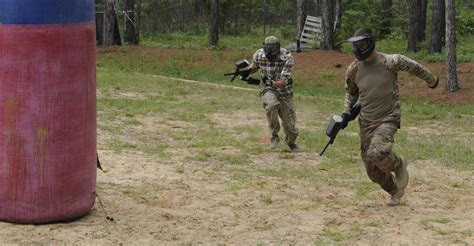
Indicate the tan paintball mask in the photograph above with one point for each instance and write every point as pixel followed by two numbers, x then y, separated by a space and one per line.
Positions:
pixel 271 47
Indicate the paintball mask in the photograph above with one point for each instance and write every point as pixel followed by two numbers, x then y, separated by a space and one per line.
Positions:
pixel 362 46
pixel 271 47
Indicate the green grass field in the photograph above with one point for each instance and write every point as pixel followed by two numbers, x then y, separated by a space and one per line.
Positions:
pixel 126 71
pixel 445 139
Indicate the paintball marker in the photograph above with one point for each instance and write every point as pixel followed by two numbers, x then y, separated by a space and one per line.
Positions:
pixel 242 68
pixel 339 122
pixel 242 64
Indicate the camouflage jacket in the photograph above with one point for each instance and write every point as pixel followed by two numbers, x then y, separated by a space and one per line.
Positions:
pixel 376 86
pixel 273 71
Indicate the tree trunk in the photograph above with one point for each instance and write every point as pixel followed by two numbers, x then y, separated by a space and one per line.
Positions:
pixel 338 9
pixel 300 17
pixel 139 19
pixel 438 26
pixel 451 69
pixel 424 8
pixel 178 20
pixel 264 19
pixel 109 24
pixel 318 10
pixel 130 35
pixel 214 30
pixel 327 42
pixel 415 26
pixel 386 18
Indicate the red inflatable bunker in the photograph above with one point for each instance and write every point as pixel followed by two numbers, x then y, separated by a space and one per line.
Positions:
pixel 47 110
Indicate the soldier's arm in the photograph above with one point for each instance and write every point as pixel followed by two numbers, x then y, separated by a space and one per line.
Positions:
pixel 352 91
pixel 286 71
pixel 255 65
pixel 403 63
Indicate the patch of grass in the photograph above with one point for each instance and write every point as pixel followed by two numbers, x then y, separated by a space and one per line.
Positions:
pixel 202 155
pixel 118 146
pixel 233 159
pixel 364 188
pixel 289 172
pixel 287 156
pixel 338 236
pixel 180 169
pixel 155 148
pixel 315 203
pixel 441 220
pixel 266 198
pixel 374 224
pixel 467 233
pixel 240 180
pixel 199 144
pixel 442 227
pixel 328 74
pixel 450 150
pixel 333 234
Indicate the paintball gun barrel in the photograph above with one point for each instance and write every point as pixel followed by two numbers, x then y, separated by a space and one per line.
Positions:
pixel 242 68
pixel 239 66
pixel 338 122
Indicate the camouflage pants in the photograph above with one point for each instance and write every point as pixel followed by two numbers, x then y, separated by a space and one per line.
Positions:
pixel 283 109
pixel 376 152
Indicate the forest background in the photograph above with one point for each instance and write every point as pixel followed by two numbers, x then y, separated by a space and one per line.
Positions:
pixel 172 24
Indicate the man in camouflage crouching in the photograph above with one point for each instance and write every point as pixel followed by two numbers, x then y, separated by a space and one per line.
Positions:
pixel 372 79
pixel 275 64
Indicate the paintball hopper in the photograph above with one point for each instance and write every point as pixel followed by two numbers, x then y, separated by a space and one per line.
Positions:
pixel 242 64
pixel 338 122
pixel 335 125
pixel 239 66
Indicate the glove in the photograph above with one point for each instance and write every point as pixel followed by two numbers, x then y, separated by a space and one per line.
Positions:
pixel 245 73
pixel 279 84
pixel 436 83
pixel 345 120
pixel 251 81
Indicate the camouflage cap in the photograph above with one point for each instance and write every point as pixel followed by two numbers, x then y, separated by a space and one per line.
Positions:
pixel 271 46
pixel 271 40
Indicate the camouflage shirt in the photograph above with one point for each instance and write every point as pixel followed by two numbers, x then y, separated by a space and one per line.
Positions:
pixel 273 71
pixel 375 85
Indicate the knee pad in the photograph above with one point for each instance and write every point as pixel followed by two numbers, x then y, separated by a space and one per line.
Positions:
pixel 271 106
pixel 270 101
pixel 375 155
pixel 382 160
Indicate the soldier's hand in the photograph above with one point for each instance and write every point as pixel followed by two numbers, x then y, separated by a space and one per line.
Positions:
pixel 345 120
pixel 435 84
pixel 280 84
pixel 245 73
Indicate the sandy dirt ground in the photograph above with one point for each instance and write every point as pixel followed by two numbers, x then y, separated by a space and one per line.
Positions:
pixel 150 200
pixel 152 204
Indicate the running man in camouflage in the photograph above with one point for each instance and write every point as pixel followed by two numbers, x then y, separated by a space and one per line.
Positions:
pixel 372 79
pixel 275 64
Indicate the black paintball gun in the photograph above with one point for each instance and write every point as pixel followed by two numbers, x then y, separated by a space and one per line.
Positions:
pixel 242 68
pixel 339 122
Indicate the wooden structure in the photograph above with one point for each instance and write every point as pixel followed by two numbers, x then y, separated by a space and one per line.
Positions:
pixel 312 30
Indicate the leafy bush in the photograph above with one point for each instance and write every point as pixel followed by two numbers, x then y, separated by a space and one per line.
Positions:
pixel 465 22
pixel 287 32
